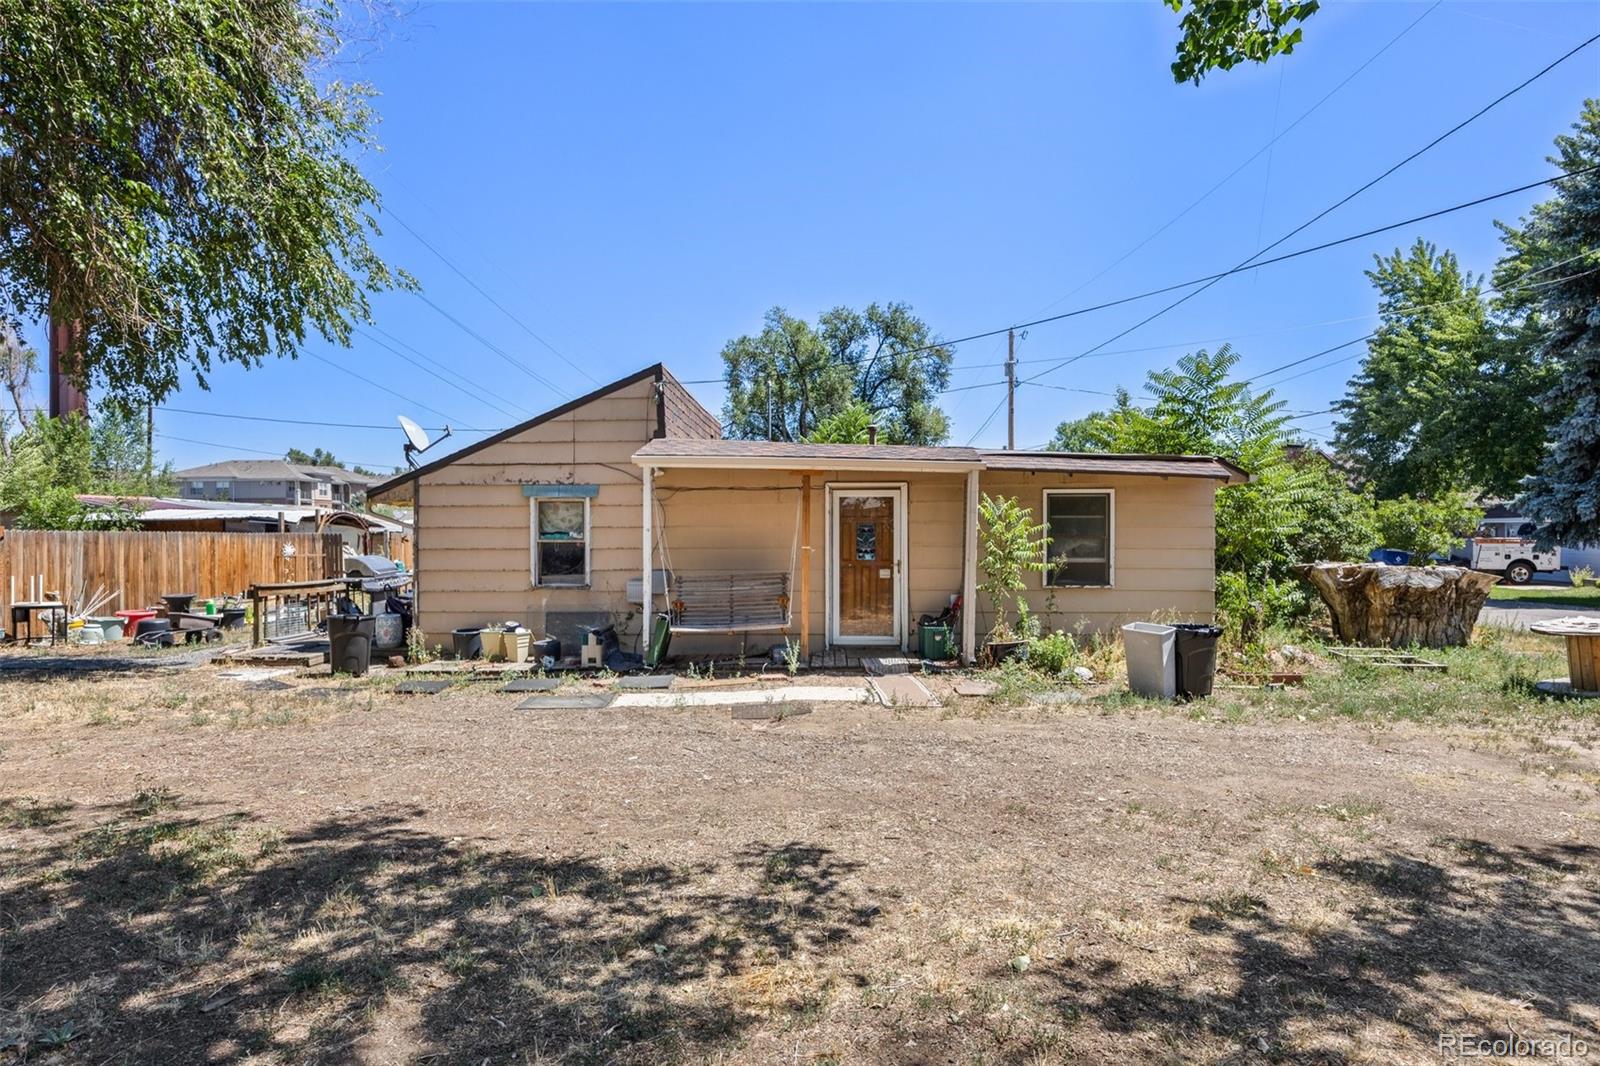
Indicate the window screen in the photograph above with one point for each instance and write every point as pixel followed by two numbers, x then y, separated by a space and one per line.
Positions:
pixel 1080 538
pixel 561 542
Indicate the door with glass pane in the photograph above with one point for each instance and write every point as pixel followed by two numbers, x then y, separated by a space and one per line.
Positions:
pixel 865 564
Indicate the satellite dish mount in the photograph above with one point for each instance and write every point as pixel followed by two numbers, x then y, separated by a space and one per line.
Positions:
pixel 417 440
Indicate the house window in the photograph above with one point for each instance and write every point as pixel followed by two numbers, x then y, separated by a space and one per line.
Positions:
pixel 1081 525
pixel 560 541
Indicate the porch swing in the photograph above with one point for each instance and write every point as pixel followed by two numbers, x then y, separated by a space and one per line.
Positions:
pixel 723 602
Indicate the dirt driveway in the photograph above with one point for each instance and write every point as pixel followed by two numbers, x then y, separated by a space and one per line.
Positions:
pixel 195 871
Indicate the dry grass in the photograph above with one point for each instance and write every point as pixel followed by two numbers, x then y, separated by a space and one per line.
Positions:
pixel 349 875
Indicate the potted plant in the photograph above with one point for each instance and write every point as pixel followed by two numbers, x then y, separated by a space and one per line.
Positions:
pixel 1011 545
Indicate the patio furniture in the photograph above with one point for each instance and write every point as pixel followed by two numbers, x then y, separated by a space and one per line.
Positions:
pixel 729 603
pixel 23 613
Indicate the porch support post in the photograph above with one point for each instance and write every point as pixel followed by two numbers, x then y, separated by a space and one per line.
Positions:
pixel 647 590
pixel 969 575
pixel 805 568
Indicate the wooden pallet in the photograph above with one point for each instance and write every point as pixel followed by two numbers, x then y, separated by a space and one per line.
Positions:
pixel 1388 657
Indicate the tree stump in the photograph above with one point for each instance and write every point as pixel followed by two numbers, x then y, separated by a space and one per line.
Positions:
pixel 1379 606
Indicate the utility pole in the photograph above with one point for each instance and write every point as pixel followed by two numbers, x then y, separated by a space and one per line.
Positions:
pixel 1011 390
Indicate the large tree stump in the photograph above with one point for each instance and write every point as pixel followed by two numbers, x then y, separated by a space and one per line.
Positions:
pixel 1379 606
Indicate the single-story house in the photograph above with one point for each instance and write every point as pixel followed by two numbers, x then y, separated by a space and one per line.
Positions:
pixel 751 543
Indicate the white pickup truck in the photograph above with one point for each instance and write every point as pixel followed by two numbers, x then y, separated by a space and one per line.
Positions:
pixel 1507 546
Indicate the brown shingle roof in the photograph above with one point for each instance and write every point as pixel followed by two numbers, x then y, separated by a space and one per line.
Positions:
pixel 1201 466
pixel 689 448
pixel 1106 463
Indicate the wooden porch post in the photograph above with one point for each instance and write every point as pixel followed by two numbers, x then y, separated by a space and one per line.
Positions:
pixel 805 568
pixel 647 590
pixel 969 575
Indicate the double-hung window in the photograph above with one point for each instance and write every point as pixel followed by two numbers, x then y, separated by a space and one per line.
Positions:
pixel 560 527
pixel 1081 524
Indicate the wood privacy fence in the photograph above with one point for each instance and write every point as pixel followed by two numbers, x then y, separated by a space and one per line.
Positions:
pixel 144 566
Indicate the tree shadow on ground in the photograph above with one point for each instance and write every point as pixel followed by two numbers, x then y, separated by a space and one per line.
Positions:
pixel 160 933
pixel 1518 924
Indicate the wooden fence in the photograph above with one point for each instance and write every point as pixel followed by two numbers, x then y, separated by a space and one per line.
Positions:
pixel 144 566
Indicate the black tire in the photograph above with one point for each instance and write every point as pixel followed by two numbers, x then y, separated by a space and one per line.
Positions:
pixel 1520 572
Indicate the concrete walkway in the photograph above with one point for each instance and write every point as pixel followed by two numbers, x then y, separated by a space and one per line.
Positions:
pixel 1514 614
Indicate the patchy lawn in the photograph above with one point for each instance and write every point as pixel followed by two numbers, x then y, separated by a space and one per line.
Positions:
pixel 1560 595
pixel 194 870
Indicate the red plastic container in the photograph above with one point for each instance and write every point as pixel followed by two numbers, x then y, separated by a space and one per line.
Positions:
pixel 131 620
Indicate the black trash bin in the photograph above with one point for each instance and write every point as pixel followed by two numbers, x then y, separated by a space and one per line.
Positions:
pixel 467 643
pixel 1196 656
pixel 350 638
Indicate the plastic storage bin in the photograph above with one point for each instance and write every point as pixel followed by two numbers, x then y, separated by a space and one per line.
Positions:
pixel 1151 651
pixel 933 642
pixel 1196 656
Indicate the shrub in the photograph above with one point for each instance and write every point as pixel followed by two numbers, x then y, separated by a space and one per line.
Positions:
pixel 1053 653
pixel 1581 576
pixel 1011 545
pixel 1246 606
pixel 1423 527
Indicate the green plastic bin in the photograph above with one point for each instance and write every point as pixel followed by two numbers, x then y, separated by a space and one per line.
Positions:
pixel 933 642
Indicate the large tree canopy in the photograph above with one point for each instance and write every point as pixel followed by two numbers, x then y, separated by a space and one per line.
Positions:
pixel 1565 492
pixel 175 177
pixel 792 376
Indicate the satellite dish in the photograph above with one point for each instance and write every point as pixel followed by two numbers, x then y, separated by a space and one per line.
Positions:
pixel 417 440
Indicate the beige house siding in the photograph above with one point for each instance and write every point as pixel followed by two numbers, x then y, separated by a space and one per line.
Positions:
pixel 473 519
pixel 729 521
pixel 1163 551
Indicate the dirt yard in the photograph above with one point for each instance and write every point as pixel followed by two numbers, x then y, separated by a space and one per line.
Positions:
pixel 197 870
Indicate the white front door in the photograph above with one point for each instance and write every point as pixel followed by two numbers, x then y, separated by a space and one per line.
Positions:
pixel 866 564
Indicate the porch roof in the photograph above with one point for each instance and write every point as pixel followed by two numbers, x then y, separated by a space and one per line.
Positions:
pixel 682 452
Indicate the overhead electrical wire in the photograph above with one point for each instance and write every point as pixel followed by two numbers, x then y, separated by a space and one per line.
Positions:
pixel 381 387
pixel 472 392
pixel 1236 171
pixel 495 348
pixel 308 422
pixel 254 451
pixel 1441 138
pixel 481 291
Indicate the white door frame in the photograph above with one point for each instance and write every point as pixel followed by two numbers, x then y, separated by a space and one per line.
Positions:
pixel 896 490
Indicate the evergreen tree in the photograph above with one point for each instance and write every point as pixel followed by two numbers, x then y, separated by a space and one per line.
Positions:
pixel 1564 495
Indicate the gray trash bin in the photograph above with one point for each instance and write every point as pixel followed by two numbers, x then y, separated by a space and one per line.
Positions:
pixel 350 640
pixel 1149 648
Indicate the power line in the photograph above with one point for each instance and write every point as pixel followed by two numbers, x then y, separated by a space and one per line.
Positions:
pixel 986 421
pixel 1203 197
pixel 306 422
pixel 1357 192
pixel 382 388
pixel 470 391
pixel 479 289
pixel 493 347
pixel 254 451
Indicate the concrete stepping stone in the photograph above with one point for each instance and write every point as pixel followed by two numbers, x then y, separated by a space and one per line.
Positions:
pixel 902 690
pixel 580 701
pixel 531 684
pixel 648 681
pixel 976 688
pixel 422 688
pixel 883 665
pixel 770 712
pixel 789 694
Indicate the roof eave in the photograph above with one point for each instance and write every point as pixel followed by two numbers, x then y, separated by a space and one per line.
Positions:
pixel 802 464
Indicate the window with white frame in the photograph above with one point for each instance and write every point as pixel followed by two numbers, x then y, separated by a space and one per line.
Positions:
pixel 1081 524
pixel 560 540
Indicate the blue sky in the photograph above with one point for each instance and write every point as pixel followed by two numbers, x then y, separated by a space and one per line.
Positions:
pixel 642 182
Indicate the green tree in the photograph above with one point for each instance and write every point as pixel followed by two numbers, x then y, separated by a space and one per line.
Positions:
pixel 316 457
pixel 1221 34
pixel 1564 326
pixel 852 425
pixel 1423 527
pixel 791 376
pixel 1408 418
pixel 176 179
